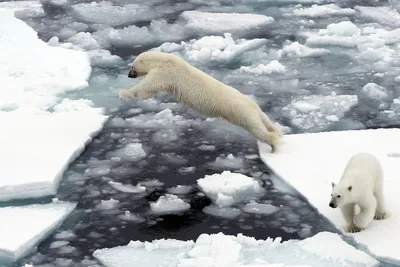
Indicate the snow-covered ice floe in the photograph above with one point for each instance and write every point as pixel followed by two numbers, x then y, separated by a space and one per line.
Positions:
pixel 23 228
pixel 41 133
pixel 310 162
pixel 239 251
pixel 218 23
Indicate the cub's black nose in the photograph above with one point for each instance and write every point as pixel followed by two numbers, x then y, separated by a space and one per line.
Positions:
pixel 331 205
pixel 132 73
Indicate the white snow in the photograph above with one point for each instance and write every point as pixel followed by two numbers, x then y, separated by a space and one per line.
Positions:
pixel 239 251
pixel 37 145
pixel 213 48
pixel 23 228
pixel 218 23
pixel 169 204
pixel 323 11
pixel 28 81
pixel 274 67
pixel 318 159
pixel 228 188
pixel 317 112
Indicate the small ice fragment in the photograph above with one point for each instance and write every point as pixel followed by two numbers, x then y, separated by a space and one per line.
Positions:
pixel 169 204
pixel 127 188
pixel 260 208
pixel 108 204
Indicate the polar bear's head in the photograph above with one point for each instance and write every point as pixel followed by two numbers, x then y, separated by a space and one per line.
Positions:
pixel 147 61
pixel 341 195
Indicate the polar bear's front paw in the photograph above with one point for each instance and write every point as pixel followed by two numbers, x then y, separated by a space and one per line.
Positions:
pixel 127 95
pixel 353 229
pixel 381 215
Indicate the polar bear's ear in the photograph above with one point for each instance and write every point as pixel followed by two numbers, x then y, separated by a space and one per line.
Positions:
pixel 333 184
pixel 349 188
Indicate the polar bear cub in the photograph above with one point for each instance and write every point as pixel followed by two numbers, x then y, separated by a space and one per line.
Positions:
pixel 169 73
pixel 361 184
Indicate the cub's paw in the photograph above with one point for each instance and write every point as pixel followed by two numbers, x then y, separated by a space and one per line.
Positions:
pixel 381 215
pixel 353 229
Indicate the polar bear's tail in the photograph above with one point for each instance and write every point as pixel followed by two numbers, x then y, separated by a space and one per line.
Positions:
pixel 270 125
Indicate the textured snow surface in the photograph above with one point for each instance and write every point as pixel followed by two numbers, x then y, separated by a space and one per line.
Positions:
pixel 225 251
pixel 318 159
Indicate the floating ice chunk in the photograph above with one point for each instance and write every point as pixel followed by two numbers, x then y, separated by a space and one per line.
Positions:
pixel 260 208
pixel 225 250
pixel 316 112
pixel 20 233
pixel 271 68
pixel 323 11
pixel 229 162
pixel 130 152
pixel 382 14
pixel 84 40
pixel 343 28
pixel 130 217
pixel 169 204
pixel 374 95
pixel 213 48
pixel 327 159
pixel 188 169
pixel 165 136
pixel 222 212
pixel 108 204
pixel 127 188
pixel 180 190
pixel 113 15
pixel 65 235
pixel 157 32
pixel 174 158
pixel 206 147
pixel 31 138
pixel 162 119
pixel 58 244
pixel 152 183
pixel 344 34
pixel 395 106
pixel 149 254
pixel 34 7
pixel 298 50
pixel 218 23
pixel 228 188
pixel 21 63
pixel 341 41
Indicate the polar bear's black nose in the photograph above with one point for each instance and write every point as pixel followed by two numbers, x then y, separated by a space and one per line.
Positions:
pixel 331 205
pixel 132 73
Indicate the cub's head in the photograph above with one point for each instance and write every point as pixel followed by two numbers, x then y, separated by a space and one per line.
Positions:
pixel 147 61
pixel 341 195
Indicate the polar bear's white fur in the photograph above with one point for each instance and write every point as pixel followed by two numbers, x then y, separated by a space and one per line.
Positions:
pixel 361 184
pixel 169 73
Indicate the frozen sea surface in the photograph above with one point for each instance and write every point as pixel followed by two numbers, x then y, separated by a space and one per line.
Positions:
pixel 312 65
